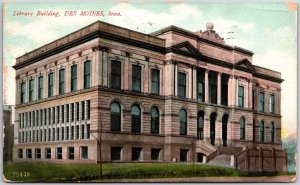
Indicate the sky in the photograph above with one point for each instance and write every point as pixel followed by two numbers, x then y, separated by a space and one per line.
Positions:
pixel 267 29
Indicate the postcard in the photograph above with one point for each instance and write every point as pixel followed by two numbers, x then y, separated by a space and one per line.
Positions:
pixel 149 92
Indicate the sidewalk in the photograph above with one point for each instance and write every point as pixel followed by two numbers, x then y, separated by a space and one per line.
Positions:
pixel 211 179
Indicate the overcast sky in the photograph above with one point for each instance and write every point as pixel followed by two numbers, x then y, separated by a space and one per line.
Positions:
pixel 269 30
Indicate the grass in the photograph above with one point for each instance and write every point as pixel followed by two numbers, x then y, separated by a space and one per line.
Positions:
pixel 50 172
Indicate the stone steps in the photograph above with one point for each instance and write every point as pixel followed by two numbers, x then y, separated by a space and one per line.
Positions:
pixel 221 160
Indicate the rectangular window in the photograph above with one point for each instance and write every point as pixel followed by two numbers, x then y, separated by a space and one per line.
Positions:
pixel 136 78
pixel 53 115
pixel 155 81
pixel 72 132
pixel 84 152
pixel 115 153
pixel 37 153
pixel 272 103
pixel 136 154
pixel 53 134
pixel 70 152
pixel 77 131
pixel 213 83
pixel 29 113
pixel 23 92
pixel 48 153
pixel 82 110
pixel 88 131
pixel 61 89
pixel 38 118
pixel 40 87
pixel 45 116
pixel 82 131
pixel 59 153
pixel 183 155
pixel 253 98
pixel 87 75
pixel 49 116
pixel 88 109
pixel 45 135
pixel 73 78
pixel 62 113
pixel 33 118
pixel 41 117
pixel 241 96
pixel 62 133
pixel 31 90
pixel 58 115
pixel 68 112
pixel 49 134
pixel 261 102
pixel 77 111
pixel 57 134
pixel 50 84
pixel 67 133
pixel 155 152
pixel 72 112
pixel 33 136
pixel 20 153
pixel 181 85
pixel 200 85
pixel 115 75
pixel 29 153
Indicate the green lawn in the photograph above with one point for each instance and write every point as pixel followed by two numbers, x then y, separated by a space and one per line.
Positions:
pixel 49 172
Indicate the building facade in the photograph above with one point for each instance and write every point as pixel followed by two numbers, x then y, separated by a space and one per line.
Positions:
pixel 172 95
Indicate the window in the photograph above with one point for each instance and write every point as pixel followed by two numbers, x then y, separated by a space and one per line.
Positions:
pixel 70 152
pixel 45 116
pixel 272 132
pixel 224 89
pixel 253 98
pixel 136 154
pixel 115 117
pixel 183 122
pixel 115 153
pixel 88 109
pixel 213 81
pixel 50 84
pixel 53 134
pixel 241 96
pixel 84 152
pixel 53 115
pixel 31 90
pixel 261 131
pixel 62 133
pixel 88 131
pixel 87 75
pixel 61 81
pixel 40 87
pixel 82 110
pixel 115 78
pixel 29 153
pixel 23 92
pixel 57 134
pixel 20 153
pixel 48 153
pixel 261 102
pixel 77 131
pixel 45 135
pixel 136 119
pixel 272 104
pixel 155 81
pixel 181 85
pixel 49 116
pixel 72 112
pixel 183 155
pixel 136 78
pixel 200 85
pixel 82 131
pixel 62 113
pixel 49 134
pixel 58 114
pixel 77 111
pixel 59 153
pixel 72 133
pixel 73 78
pixel 155 153
pixel 68 113
pixel 200 132
pixel 154 120
pixel 67 133
pixel 242 128
pixel 33 118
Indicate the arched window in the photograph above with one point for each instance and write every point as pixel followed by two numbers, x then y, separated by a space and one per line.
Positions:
pixel 183 122
pixel 135 119
pixel 272 132
pixel 200 132
pixel 115 117
pixel 261 131
pixel 154 120
pixel 242 128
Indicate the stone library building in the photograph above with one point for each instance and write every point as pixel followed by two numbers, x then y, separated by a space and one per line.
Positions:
pixel 169 96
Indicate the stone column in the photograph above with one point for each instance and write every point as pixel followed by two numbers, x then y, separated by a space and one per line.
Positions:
pixel 194 85
pixel 125 73
pixel 206 129
pixel 218 126
pixel 206 86
pixel 175 78
pixel 145 80
pixel 229 91
pixel 250 96
pixel 80 68
pixel 105 68
pixel 219 89
pixel 95 67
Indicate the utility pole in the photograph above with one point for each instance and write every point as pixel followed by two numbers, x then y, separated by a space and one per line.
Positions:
pixel 99 143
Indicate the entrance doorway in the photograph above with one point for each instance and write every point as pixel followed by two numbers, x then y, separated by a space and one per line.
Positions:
pixel 224 129
pixel 213 118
